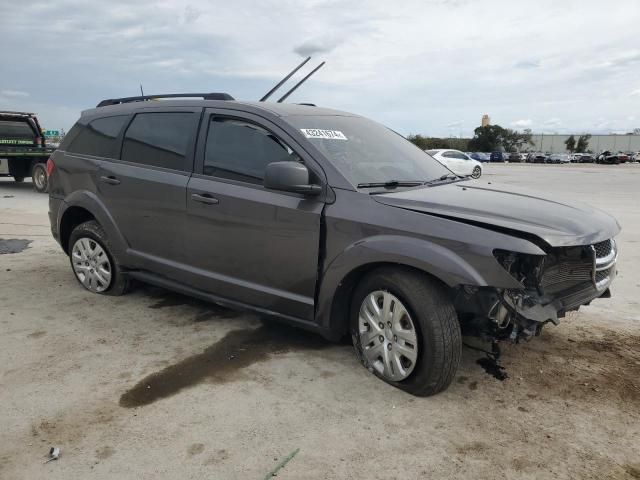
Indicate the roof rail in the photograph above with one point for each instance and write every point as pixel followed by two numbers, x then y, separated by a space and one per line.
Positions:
pixel 142 98
pixel 17 114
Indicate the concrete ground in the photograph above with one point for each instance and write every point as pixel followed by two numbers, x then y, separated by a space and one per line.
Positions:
pixel 156 385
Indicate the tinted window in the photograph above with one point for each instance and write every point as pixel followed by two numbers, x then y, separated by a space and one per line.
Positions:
pixel 98 137
pixel 22 130
pixel 159 139
pixel 241 151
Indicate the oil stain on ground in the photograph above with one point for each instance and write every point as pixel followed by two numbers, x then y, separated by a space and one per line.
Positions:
pixel 220 362
pixel 493 368
pixel 13 245
pixel 207 311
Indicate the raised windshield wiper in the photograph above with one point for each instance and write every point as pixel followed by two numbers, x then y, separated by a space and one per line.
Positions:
pixel 449 176
pixel 391 184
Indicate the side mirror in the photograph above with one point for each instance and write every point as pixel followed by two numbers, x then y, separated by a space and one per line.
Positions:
pixel 290 177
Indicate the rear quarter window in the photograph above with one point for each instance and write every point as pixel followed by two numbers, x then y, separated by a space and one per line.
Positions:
pixel 98 137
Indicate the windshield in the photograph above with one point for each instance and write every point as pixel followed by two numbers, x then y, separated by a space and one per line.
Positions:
pixel 365 151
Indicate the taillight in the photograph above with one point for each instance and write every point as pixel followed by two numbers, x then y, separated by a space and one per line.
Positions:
pixel 50 167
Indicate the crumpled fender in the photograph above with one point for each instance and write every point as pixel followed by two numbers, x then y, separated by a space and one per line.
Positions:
pixel 441 262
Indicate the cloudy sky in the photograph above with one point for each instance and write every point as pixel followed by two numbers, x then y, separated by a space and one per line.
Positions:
pixel 428 66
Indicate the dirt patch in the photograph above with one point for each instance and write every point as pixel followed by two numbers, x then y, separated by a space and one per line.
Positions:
pixel 13 245
pixel 583 367
pixel 221 361
pixel 105 452
pixel 38 334
pixel 195 449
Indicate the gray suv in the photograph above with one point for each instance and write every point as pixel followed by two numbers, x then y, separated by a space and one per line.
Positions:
pixel 323 219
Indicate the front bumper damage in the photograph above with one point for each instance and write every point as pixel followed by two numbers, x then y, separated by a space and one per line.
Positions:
pixel 568 279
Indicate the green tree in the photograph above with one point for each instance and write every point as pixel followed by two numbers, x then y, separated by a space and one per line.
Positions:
pixel 493 137
pixel 583 143
pixel 487 139
pixel 513 140
pixel 570 143
pixel 428 143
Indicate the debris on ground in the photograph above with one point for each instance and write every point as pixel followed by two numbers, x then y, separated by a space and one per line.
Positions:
pixel 281 465
pixel 54 454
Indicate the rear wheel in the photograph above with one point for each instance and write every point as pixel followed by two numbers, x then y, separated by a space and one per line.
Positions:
pixel 477 171
pixel 406 331
pixel 92 261
pixel 40 178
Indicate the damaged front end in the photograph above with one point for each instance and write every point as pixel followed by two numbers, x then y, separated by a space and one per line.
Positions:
pixel 552 285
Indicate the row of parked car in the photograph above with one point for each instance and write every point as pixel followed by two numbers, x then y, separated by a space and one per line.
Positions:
pixel 606 157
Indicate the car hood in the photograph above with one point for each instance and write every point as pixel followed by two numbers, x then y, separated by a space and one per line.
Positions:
pixel 558 223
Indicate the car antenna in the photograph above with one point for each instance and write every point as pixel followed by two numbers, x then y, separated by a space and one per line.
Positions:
pixel 141 91
pixel 295 87
pixel 279 84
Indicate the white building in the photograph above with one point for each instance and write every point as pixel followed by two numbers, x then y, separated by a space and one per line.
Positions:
pixel 597 143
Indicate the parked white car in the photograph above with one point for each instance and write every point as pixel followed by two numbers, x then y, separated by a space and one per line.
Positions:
pixel 458 162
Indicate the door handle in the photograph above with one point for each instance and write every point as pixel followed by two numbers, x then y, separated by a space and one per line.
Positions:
pixel 204 198
pixel 111 180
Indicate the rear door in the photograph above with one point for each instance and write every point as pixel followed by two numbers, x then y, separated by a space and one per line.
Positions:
pixel 145 189
pixel 246 243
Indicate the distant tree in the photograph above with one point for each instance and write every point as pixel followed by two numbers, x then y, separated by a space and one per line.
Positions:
pixel 571 143
pixel 429 143
pixel 487 139
pixel 583 143
pixel 493 137
pixel 513 140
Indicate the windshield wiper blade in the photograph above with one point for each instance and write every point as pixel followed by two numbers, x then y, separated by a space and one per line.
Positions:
pixel 391 184
pixel 448 176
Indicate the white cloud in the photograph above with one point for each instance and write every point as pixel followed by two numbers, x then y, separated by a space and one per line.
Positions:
pixel 13 93
pixel 524 123
pixel 419 68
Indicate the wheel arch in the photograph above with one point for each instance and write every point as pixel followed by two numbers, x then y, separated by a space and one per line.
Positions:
pixel 83 206
pixel 344 272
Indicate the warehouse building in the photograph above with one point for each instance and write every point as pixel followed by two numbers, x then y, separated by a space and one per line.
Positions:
pixel 597 143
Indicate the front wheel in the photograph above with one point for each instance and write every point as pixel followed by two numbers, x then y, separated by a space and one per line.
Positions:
pixel 40 178
pixel 406 331
pixel 477 171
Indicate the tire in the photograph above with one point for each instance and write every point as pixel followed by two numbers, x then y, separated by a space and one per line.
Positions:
pixel 40 178
pixel 18 179
pixel 477 171
pixel 435 325
pixel 88 264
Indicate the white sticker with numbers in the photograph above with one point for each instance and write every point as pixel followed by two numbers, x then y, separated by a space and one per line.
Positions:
pixel 324 134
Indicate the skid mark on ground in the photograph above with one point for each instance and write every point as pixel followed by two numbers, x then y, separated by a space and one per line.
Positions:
pixel 220 362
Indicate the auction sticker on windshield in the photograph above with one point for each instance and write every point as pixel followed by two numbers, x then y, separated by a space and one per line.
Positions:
pixel 325 134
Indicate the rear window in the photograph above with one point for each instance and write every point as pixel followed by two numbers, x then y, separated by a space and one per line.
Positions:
pixel 18 130
pixel 160 139
pixel 99 137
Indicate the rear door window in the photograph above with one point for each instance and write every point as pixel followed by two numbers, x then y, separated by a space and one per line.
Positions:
pixel 99 137
pixel 239 150
pixel 160 139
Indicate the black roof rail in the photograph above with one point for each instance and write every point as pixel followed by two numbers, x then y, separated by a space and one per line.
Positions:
pixel 142 98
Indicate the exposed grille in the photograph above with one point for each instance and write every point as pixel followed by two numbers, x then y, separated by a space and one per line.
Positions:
pixel 603 248
pixel 565 275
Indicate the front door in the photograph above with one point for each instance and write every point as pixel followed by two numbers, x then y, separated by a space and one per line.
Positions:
pixel 246 243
